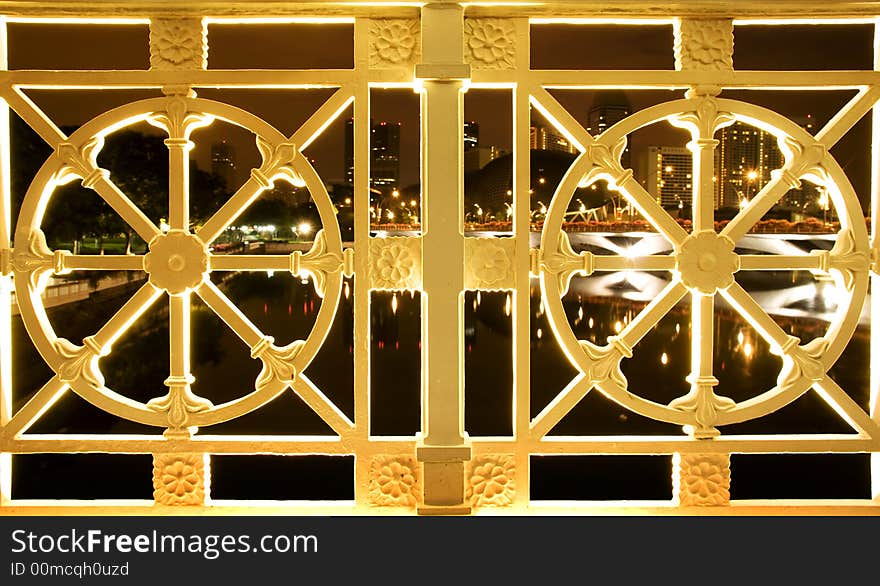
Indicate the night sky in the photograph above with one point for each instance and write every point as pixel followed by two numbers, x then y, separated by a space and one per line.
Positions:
pixel 553 47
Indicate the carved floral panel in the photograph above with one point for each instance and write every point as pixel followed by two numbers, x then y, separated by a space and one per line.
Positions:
pixel 395 263
pixel 394 43
pixel 491 480
pixel 179 479
pixel 490 43
pixel 394 481
pixel 178 43
pixel 702 479
pixel 489 263
pixel 704 44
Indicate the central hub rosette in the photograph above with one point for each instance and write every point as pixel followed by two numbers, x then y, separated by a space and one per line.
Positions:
pixel 177 262
pixel 706 262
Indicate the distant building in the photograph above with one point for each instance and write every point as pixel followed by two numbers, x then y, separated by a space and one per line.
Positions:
pixel 476 159
pixel 798 200
pixel 609 108
pixel 669 175
pixel 744 158
pixel 471 136
pixel 223 162
pixel 545 138
pixel 384 154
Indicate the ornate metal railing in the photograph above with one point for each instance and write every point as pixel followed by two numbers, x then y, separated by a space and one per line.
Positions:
pixel 439 49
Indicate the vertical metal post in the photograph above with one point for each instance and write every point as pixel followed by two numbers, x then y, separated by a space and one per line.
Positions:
pixel 874 375
pixel 443 447
pixel 5 281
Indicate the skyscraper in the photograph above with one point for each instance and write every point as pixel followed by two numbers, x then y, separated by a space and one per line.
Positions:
pixel 744 158
pixel 471 136
pixel 384 154
pixel 223 163
pixel 609 108
pixel 547 138
pixel 669 175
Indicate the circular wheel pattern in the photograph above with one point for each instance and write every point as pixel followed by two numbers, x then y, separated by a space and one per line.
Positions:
pixel 178 263
pixel 703 264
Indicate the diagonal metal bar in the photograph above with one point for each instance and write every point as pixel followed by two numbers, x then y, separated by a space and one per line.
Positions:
pixel 252 188
pixel 630 336
pixel 230 210
pixel 760 205
pixel 123 319
pixel 652 211
pixel 560 118
pixel 560 406
pixel 849 410
pixel 651 315
pixel 848 116
pixel 229 313
pixel 322 118
pixel 33 116
pixel 35 408
pixel 323 406
pixel 126 208
pixel 746 305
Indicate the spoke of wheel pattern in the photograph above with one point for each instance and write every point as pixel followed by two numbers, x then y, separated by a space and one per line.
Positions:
pixel 652 212
pixel 230 210
pixel 849 410
pixel 250 262
pixel 658 262
pixel 104 262
pixel 756 316
pixel 179 334
pixel 229 313
pixel 126 208
pixel 178 182
pixel 760 205
pixel 104 339
pixel 123 319
pixel 778 262
pixel 637 329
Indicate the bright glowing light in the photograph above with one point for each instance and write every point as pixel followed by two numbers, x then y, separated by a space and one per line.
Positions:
pixel 412 202
pixel 752 175
pixel 394 304
pixel 581 312
pixel 618 326
pixel 539 333
pixel 390 215
pixel 740 337
pixel 743 203
pixel 630 252
pixel 748 350
pixel 590 322
pixel 664 359
pixel 668 169
pixel 541 180
pixel 163 225
pixel 347 201
pixel 395 193
pixel 507 305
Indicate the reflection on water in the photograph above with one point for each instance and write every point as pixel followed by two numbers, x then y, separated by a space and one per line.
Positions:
pixel 596 308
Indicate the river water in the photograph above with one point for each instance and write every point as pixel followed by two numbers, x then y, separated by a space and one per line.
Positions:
pixel 596 307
